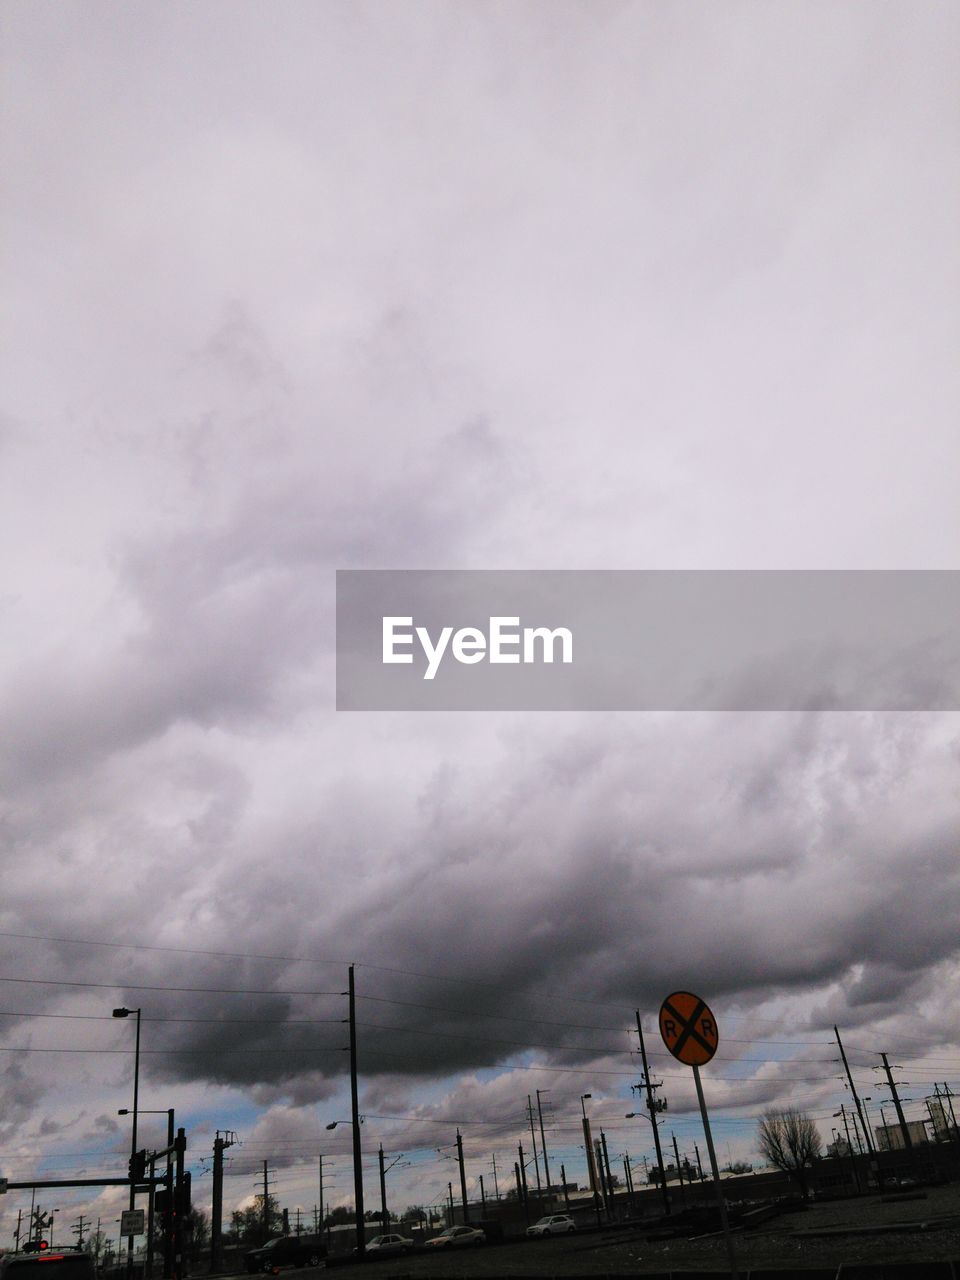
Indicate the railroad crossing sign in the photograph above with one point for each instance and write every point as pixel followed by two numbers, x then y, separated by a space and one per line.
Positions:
pixel 688 1028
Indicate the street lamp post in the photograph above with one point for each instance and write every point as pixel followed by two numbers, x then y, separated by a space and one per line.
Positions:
pixel 125 1013
pixel 588 1149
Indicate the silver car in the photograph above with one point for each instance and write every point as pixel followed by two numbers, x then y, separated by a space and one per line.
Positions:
pixel 554 1224
pixel 456 1238
pixel 384 1245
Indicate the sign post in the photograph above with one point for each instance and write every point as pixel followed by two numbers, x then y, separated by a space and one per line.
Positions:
pixel 689 1030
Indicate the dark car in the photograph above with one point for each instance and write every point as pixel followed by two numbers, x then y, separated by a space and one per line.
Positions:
pixel 48 1264
pixel 286 1251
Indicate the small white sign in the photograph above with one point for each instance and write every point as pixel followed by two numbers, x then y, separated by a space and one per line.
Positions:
pixel 132 1222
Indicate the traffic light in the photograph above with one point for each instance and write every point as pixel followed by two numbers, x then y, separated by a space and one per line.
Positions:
pixel 137 1166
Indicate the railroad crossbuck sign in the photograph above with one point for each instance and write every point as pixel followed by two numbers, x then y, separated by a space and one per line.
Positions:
pixel 688 1028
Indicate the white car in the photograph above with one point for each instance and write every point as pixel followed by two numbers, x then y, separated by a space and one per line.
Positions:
pixel 456 1237
pixel 554 1224
pixel 384 1245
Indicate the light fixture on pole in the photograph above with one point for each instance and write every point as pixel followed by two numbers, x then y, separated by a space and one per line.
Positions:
pixel 125 1013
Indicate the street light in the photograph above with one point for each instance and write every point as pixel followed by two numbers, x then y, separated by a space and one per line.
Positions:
pixel 588 1150
pixel 125 1013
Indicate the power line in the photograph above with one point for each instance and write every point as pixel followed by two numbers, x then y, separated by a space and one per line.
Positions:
pixel 140 986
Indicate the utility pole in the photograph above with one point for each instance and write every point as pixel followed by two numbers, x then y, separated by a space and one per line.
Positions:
pixel 521 1192
pixel 384 1220
pixel 266 1203
pixel 602 1174
pixel 79 1230
pixel 463 1180
pixel 483 1198
pixel 533 1139
pixel 699 1162
pixel 496 1184
pixel 606 1161
pixel 563 1184
pixel 653 1115
pixel 543 1146
pixel 355 1116
pixel 320 1205
pixel 16 1248
pixel 853 1089
pixel 522 1184
pixel 907 1140
pixel 216 1215
pixel 853 1159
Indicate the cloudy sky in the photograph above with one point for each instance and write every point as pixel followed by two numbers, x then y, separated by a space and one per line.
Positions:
pixel 487 285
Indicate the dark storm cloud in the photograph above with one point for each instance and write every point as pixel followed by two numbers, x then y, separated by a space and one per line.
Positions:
pixel 492 288
pixel 581 894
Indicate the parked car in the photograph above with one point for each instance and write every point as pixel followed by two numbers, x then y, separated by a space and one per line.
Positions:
pixel 553 1224
pixel 455 1238
pixel 382 1246
pixel 48 1264
pixel 286 1251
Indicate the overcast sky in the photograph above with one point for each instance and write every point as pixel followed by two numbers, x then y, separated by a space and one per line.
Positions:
pixel 482 285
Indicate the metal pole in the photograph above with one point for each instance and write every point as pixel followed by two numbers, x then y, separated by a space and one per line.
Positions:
pixel 731 1252
pixel 168 1226
pixel 591 1162
pixel 606 1161
pixel 355 1114
pixel 543 1147
pixel 177 1204
pixel 533 1139
pixel 853 1088
pixel 320 1207
pixel 383 1193
pixel 907 1140
pixel 133 1145
pixel 463 1180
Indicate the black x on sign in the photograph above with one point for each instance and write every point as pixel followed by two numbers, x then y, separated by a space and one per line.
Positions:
pixel 688 1028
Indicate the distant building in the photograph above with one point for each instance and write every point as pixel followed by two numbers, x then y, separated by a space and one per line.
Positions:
pixel 890 1136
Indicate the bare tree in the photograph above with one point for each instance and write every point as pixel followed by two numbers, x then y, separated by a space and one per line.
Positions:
pixel 789 1140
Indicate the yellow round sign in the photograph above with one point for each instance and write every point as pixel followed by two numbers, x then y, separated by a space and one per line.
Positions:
pixel 688 1028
